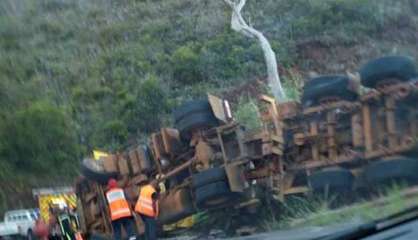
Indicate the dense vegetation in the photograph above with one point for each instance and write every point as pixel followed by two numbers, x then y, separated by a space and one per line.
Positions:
pixel 82 74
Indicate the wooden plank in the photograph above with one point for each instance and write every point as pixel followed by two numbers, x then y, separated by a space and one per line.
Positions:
pixel 134 161
pixel 398 150
pixel 357 130
pixel 379 132
pixel 314 133
pixel 367 128
pixel 276 150
pixel 295 190
pixel 221 143
pixel 171 140
pixel 390 121
pixel 332 144
pixel 236 177
pixel 123 165
pixel 320 163
pixel 322 108
pixel 239 136
pixel 277 138
pixel 413 121
pixel 267 99
pixel 155 148
pixel 110 163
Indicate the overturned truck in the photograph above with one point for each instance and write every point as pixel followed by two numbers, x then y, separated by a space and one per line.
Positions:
pixel 335 139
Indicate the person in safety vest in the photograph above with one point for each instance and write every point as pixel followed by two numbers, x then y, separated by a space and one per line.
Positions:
pixel 147 207
pixel 120 213
pixel 41 229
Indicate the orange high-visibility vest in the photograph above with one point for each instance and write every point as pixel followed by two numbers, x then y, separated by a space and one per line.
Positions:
pixel 119 207
pixel 78 236
pixel 144 204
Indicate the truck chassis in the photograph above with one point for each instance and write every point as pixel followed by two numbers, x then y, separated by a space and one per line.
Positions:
pixel 334 140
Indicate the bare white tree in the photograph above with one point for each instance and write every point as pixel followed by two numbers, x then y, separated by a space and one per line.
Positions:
pixel 238 24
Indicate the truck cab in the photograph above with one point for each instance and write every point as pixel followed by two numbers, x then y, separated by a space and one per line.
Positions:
pixel 18 223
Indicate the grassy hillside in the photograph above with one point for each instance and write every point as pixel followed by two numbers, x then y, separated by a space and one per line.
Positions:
pixel 82 74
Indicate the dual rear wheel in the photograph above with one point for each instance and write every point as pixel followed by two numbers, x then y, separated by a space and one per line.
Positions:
pixel 380 174
pixel 374 74
pixel 211 189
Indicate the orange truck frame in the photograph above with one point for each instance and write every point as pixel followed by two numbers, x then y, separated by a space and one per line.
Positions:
pixel 335 139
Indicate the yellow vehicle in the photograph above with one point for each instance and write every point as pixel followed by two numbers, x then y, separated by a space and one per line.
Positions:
pixel 62 197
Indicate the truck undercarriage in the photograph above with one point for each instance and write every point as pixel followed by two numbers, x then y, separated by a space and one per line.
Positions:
pixel 335 140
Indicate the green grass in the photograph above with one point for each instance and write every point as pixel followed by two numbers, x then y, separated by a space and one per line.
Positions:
pixel 247 113
pixel 116 69
pixel 303 212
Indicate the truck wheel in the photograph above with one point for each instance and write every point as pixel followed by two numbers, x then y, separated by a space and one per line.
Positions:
pixel 333 86
pixel 333 180
pixel 382 172
pixel 30 235
pixel 92 172
pixel 195 121
pixel 214 195
pixel 396 67
pixel 191 107
pixel 194 115
pixel 208 176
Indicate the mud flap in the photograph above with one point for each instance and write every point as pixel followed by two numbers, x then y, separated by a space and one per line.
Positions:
pixel 220 108
pixel 236 177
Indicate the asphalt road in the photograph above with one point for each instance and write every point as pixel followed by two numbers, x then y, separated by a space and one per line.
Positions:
pixel 305 233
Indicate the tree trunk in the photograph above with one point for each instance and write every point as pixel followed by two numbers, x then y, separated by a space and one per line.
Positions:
pixel 238 24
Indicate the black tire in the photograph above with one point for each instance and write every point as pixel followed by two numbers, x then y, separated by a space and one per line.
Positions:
pixel 328 86
pixel 398 67
pixel 30 235
pixel 198 120
pixel 191 107
pixel 208 176
pixel 193 115
pixel 401 169
pixel 214 195
pixel 90 172
pixel 334 180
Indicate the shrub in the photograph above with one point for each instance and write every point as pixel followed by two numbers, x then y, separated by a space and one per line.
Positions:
pixel 39 139
pixel 185 62
pixel 247 114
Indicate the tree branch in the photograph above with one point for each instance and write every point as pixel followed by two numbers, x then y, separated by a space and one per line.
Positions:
pixel 238 24
pixel 241 4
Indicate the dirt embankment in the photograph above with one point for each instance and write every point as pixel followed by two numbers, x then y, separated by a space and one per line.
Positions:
pixel 338 57
pixel 328 56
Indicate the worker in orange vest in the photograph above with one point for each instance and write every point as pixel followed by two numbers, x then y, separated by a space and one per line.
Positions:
pixel 78 236
pixel 120 213
pixel 41 230
pixel 148 209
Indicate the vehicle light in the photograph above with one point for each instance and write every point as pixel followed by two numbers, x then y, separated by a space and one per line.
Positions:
pixel 228 109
